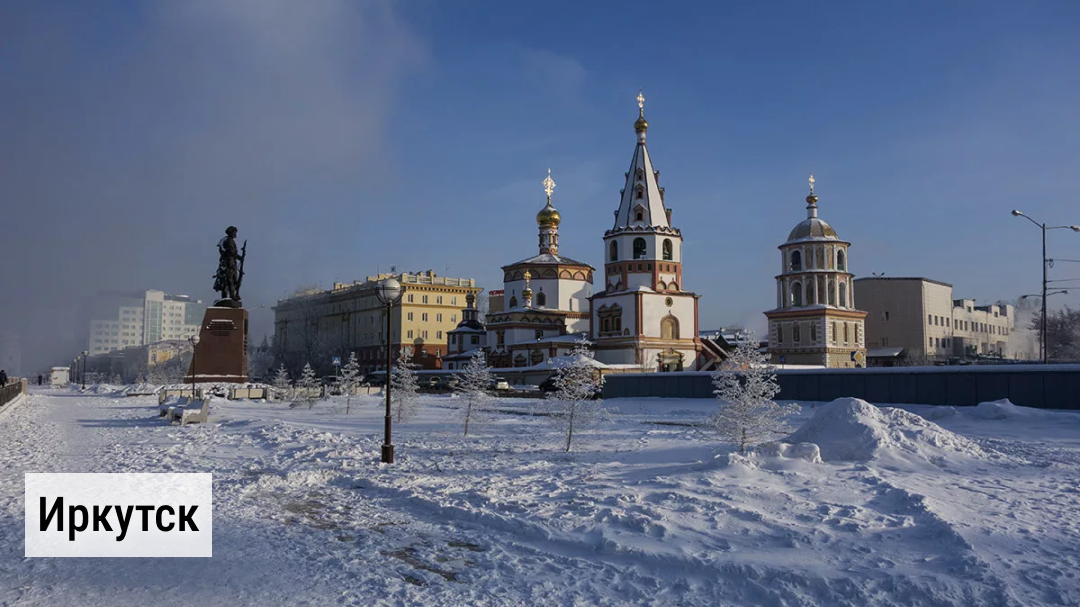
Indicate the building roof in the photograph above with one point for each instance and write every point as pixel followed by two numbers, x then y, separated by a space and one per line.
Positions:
pixel 549 259
pixel 641 177
pixel 898 278
pixel 812 228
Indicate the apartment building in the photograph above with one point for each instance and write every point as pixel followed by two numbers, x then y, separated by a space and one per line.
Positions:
pixel 314 326
pixel 129 319
pixel 921 316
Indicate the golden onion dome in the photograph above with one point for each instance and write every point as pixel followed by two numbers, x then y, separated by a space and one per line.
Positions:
pixel 641 125
pixel 811 199
pixel 548 216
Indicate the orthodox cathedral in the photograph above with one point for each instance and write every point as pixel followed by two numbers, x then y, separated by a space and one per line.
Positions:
pixel 642 318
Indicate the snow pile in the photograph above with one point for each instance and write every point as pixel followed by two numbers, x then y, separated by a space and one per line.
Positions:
pixel 851 429
pixel 1001 409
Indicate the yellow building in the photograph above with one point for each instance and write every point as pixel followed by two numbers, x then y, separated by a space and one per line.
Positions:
pixel 315 326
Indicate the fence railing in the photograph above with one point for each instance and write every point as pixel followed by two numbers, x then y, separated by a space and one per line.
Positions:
pixel 12 390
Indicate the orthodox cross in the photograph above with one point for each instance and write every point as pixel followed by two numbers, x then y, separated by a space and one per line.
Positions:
pixel 811 184
pixel 640 101
pixel 549 185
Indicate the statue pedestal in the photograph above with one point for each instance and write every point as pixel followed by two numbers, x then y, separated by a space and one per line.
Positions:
pixel 221 355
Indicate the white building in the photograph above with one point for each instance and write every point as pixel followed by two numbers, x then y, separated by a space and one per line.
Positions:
pixel 124 320
pixel 644 316
pixel 545 306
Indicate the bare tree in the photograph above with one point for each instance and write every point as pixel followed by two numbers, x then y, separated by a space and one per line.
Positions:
pixel 573 404
pixel 745 386
pixel 308 385
pixel 281 383
pixel 473 384
pixel 350 379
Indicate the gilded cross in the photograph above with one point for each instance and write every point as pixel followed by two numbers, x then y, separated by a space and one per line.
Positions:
pixel 811 184
pixel 549 184
pixel 640 100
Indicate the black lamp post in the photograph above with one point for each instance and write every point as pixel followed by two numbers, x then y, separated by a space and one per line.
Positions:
pixel 1043 346
pixel 389 293
pixel 84 355
pixel 194 339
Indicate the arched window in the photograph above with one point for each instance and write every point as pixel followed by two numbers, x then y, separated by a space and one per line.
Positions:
pixel 669 328
pixel 640 191
pixel 796 261
pixel 846 333
pixel 841 263
pixel 639 215
pixel 796 294
pixel 832 293
pixel 614 251
pixel 843 295
pixel 667 249
pixel 779 334
pixel 541 299
pixel 639 248
pixel 661 286
pixel 813 333
pixel 513 301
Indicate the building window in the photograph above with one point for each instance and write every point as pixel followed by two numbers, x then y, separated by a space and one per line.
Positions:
pixel 423 317
pixel 541 299
pixel 835 335
pixel 410 298
pixel 846 334
pixel 813 333
pixel 513 301
pixel 424 334
pixel 779 334
pixel 453 318
pixel 614 251
pixel 668 255
pixel 841 263
pixel 500 338
pixel 669 328
pixel 796 294
pixel 639 248
pixel 438 318
pixel 438 299
pixel 843 295
pixel 796 332
pixel 438 335
pixel 410 315
pixel 475 339
pixel 410 334
pixel 796 261
pixel 640 195
pixel 539 333
pixel 929 319
pixel 424 298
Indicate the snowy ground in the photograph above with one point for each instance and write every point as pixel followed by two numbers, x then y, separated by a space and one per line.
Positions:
pixel 648 511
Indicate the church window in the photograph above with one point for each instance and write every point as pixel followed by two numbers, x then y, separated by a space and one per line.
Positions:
pixel 638 215
pixel 539 333
pixel 639 174
pixel 832 293
pixel 843 295
pixel 639 248
pixel 640 193
pixel 841 263
pixel 796 294
pixel 667 249
pixel 674 286
pixel 813 333
pixel 513 301
pixel 834 335
pixel 519 360
pixel 475 339
pixel 846 334
pixel 500 337
pixel 669 328
pixel 796 261
pixel 779 334
pixel 614 251
pixel 541 299
pixel 796 332
pixel 660 286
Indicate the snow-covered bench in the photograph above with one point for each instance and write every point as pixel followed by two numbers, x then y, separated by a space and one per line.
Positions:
pixel 166 407
pixel 190 414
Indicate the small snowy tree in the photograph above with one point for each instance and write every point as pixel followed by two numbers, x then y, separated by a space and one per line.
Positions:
pixel 745 386
pixel 309 385
pixel 405 387
pixel 473 383
pixel 281 383
pixel 350 379
pixel 573 403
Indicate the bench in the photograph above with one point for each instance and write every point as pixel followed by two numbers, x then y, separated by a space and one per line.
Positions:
pixel 165 410
pixel 189 414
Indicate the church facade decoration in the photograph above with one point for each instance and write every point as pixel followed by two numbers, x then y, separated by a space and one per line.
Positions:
pixel 815 321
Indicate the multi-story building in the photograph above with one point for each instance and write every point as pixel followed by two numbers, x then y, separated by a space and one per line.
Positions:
pixel 921 316
pixel 129 319
pixel 314 326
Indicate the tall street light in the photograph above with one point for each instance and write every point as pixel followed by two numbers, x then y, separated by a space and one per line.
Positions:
pixel 389 293
pixel 194 339
pixel 84 355
pixel 1043 346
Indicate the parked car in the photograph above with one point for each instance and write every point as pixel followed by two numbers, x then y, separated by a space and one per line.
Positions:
pixel 499 383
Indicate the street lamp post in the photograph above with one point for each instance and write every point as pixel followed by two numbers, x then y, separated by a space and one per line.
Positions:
pixel 1043 346
pixel 84 355
pixel 194 339
pixel 389 293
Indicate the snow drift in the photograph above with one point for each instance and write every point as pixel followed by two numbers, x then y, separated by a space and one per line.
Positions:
pixel 1002 409
pixel 851 429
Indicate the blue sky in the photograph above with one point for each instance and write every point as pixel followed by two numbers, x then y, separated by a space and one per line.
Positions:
pixel 343 136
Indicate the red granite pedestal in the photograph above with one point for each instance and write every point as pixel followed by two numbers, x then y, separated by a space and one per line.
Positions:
pixel 221 356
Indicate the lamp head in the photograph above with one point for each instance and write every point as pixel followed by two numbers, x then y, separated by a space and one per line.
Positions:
pixel 1075 228
pixel 1016 213
pixel 85 352
pixel 194 339
pixel 388 291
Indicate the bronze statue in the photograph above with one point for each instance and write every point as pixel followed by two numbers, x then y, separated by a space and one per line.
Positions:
pixel 229 274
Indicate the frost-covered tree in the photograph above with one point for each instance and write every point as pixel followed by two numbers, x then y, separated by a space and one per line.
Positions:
pixel 405 387
pixel 309 385
pixel 350 379
pixel 745 386
pixel 572 404
pixel 281 383
pixel 473 383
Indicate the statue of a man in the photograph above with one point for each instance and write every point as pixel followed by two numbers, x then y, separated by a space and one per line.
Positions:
pixel 229 274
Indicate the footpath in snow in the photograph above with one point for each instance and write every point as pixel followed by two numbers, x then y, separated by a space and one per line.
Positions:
pixel 870 506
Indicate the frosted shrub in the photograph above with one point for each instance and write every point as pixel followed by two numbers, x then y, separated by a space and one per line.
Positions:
pixel 473 384
pixel 745 386
pixel 405 387
pixel 572 405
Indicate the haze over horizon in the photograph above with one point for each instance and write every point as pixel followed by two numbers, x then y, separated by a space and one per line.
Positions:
pixel 344 136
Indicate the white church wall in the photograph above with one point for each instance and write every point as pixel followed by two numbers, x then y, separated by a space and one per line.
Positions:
pixel 573 295
pixel 656 309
